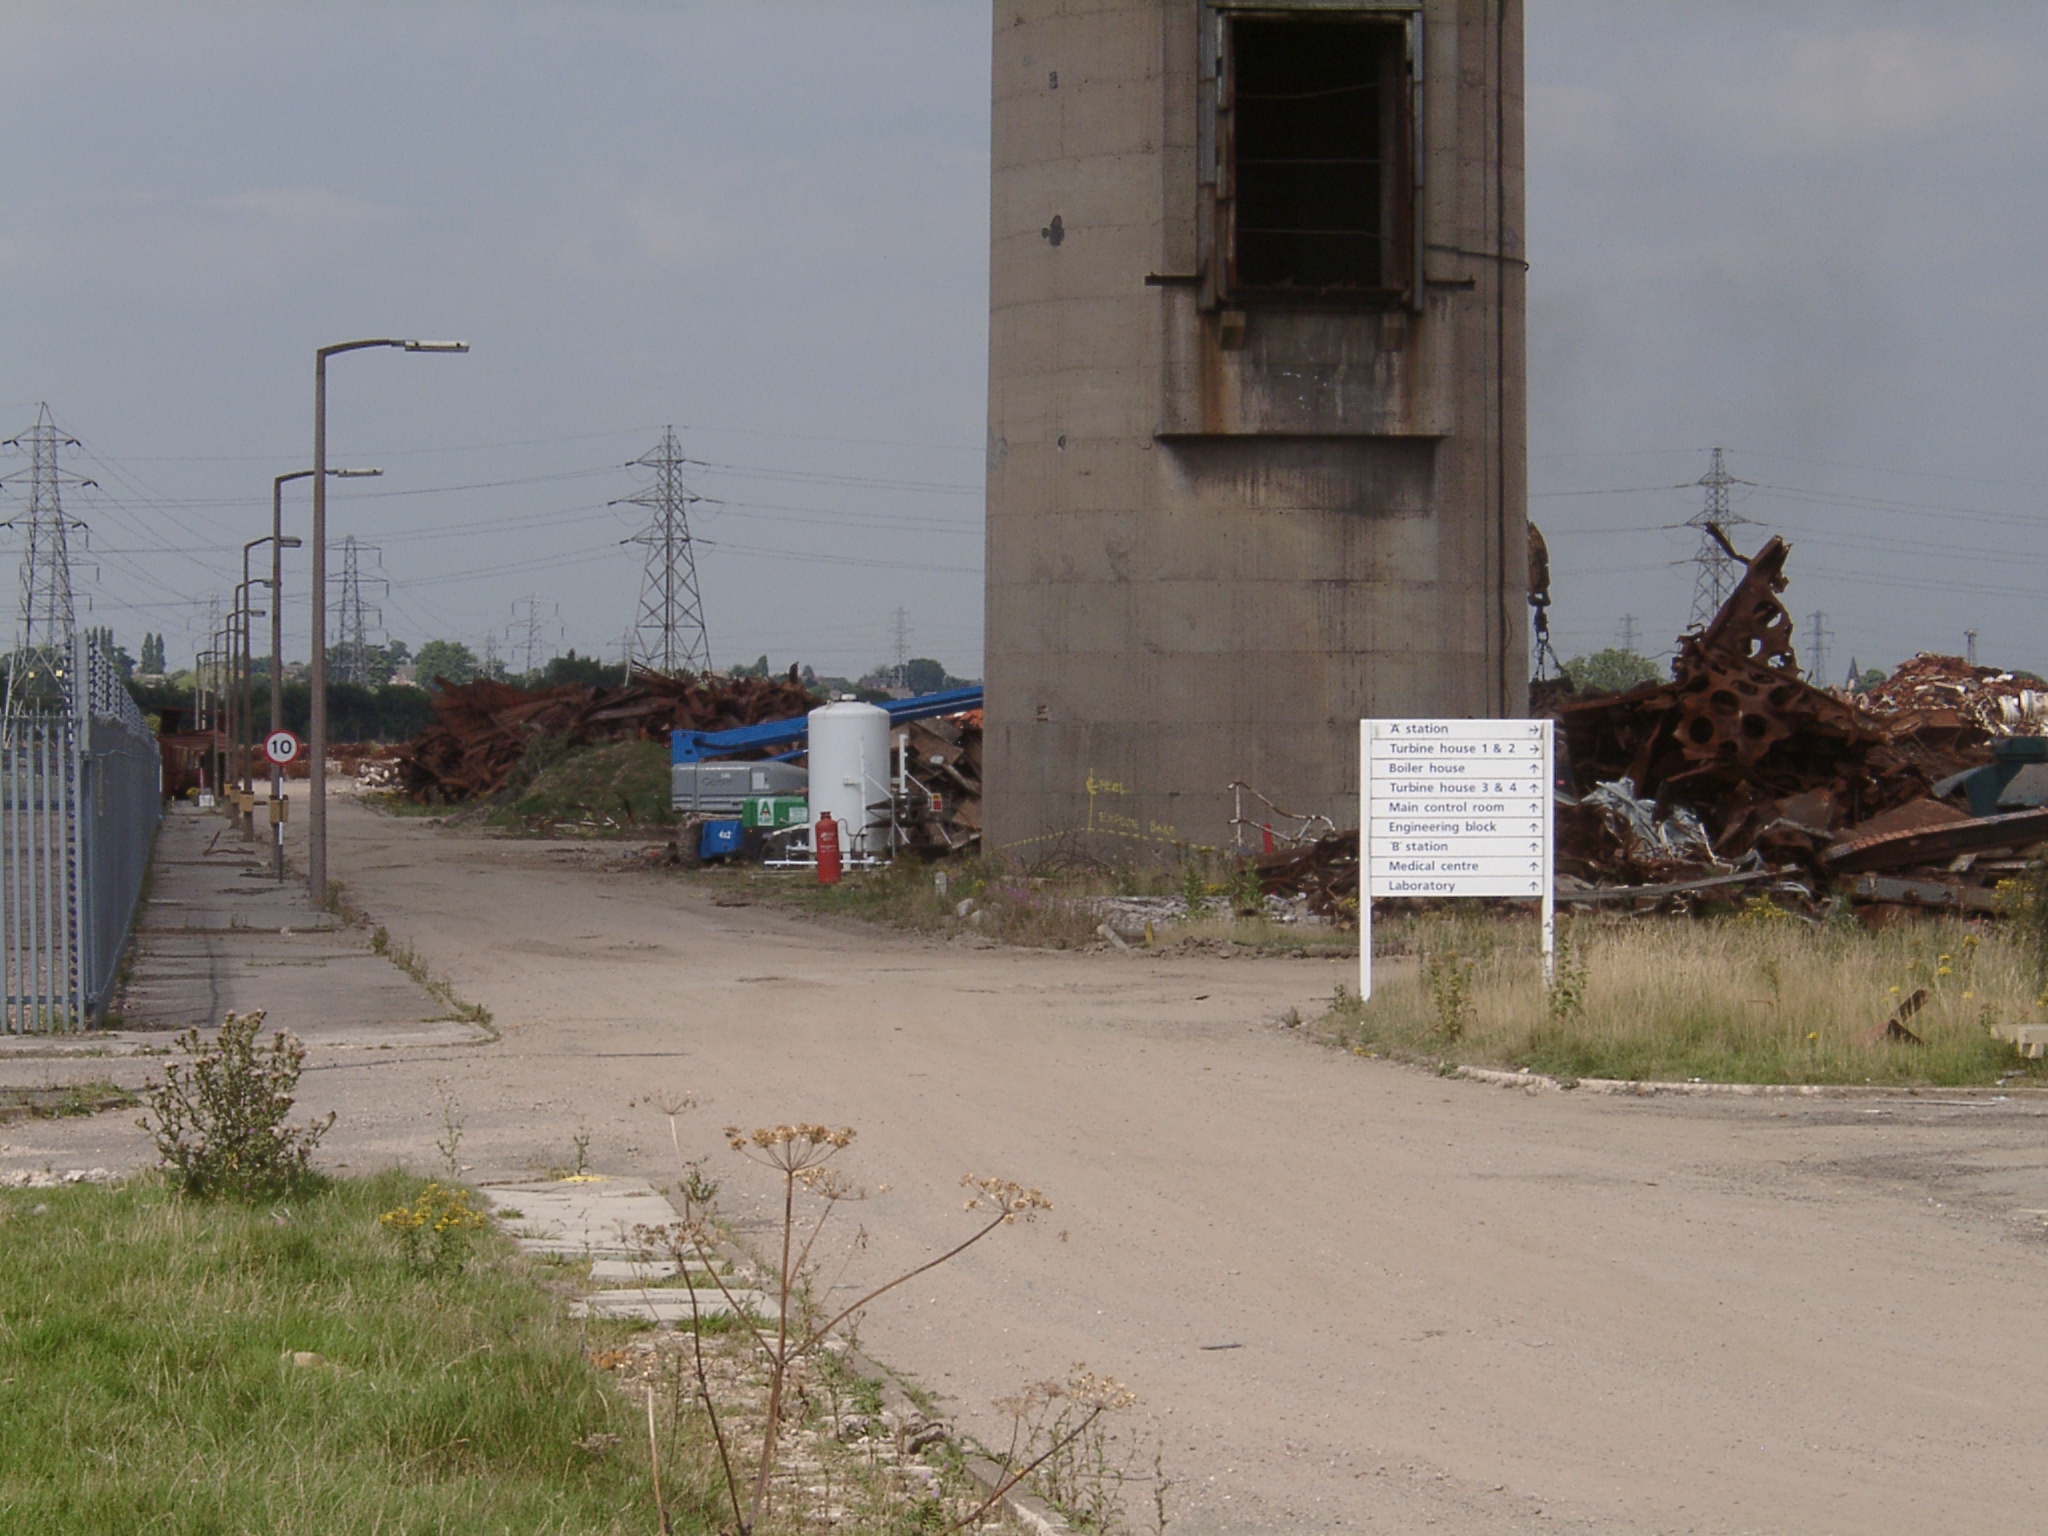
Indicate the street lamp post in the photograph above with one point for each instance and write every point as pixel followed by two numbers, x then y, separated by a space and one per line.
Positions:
pixel 246 670
pixel 203 708
pixel 245 673
pixel 223 704
pixel 316 743
pixel 278 545
pixel 238 691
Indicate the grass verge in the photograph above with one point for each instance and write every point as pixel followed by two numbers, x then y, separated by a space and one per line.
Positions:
pixel 1762 997
pixel 148 1385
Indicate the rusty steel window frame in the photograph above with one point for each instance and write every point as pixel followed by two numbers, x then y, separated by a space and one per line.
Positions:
pixel 1219 204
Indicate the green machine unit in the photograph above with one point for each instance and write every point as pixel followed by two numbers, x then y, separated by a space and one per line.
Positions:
pixel 771 813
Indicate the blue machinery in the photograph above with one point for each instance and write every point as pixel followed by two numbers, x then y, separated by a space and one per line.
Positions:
pixel 701 746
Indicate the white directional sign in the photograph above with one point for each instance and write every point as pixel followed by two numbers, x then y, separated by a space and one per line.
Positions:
pixel 1453 808
pixel 281 747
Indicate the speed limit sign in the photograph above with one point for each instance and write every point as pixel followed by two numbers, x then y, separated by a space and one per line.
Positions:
pixel 281 747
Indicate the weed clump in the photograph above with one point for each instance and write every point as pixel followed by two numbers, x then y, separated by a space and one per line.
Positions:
pixel 218 1120
pixel 1447 977
pixel 1564 1000
pixel 2024 902
pixel 434 1232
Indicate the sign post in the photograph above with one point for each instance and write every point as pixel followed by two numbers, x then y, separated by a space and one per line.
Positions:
pixel 1454 808
pixel 281 747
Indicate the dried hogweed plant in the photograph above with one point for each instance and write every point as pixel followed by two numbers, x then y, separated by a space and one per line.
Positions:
pixel 801 1156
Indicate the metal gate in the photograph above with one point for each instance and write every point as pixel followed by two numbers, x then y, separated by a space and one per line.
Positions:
pixel 80 799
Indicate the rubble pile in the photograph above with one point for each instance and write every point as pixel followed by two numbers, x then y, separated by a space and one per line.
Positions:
pixel 485 727
pixel 1981 698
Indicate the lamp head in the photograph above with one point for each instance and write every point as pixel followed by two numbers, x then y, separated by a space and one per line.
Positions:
pixel 437 346
pixel 290 541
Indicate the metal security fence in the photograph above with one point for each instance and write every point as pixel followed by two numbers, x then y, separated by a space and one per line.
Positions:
pixel 80 798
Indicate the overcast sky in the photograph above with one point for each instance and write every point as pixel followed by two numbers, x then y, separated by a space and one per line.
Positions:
pixel 1806 234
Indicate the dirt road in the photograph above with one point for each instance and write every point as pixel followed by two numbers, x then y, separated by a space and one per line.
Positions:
pixel 1350 1295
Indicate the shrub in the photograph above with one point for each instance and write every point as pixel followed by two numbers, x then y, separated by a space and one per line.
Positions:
pixel 219 1118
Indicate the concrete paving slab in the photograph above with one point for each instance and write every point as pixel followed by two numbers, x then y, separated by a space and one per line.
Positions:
pixel 633 1271
pixel 219 934
pixel 669 1307
pixel 592 1215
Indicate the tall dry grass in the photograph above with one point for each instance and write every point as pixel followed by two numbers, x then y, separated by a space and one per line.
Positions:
pixel 1760 997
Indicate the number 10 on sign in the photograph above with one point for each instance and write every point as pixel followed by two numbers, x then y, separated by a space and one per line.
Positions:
pixel 1452 808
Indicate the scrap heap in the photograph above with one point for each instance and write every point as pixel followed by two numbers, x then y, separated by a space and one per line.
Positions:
pixel 1738 770
pixel 1981 698
pixel 1324 873
pixel 485 727
pixel 943 814
pixel 1761 757
pixel 1738 762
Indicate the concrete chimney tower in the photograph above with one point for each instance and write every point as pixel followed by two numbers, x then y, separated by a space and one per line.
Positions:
pixel 1256 444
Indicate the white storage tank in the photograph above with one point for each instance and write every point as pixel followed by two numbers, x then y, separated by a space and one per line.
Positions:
pixel 850 772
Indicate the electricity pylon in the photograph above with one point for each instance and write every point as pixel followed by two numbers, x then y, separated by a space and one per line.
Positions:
pixel 42 635
pixel 524 635
pixel 1717 576
pixel 352 665
pixel 899 674
pixel 668 630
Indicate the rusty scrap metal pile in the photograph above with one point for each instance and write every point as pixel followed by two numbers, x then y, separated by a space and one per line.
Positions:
pixel 942 814
pixel 1739 777
pixel 1738 765
pixel 1996 703
pixel 1323 872
pixel 485 727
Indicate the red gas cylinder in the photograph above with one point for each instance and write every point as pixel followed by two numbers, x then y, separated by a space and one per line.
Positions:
pixel 826 835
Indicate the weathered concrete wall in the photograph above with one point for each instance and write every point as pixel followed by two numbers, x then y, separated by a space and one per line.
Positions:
pixel 1211 550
